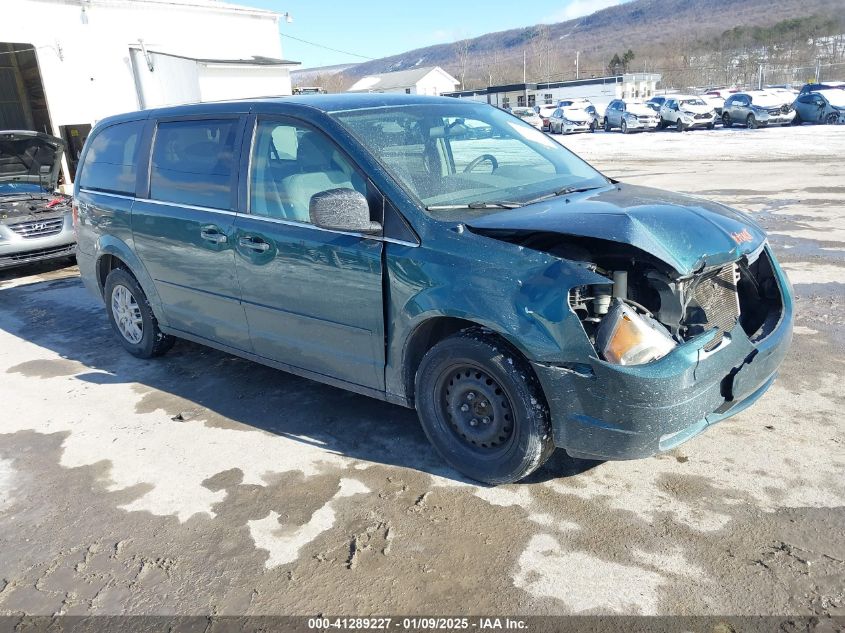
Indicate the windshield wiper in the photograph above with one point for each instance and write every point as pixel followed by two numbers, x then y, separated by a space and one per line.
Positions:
pixel 561 192
pixel 474 205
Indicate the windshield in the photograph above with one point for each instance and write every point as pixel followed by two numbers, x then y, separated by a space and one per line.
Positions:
pixel 693 102
pixel 467 154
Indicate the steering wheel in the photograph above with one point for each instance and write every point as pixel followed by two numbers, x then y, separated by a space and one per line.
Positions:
pixel 484 157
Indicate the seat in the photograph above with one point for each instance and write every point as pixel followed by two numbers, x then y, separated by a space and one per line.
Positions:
pixel 319 171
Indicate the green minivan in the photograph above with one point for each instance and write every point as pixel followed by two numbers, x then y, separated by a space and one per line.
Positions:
pixel 438 254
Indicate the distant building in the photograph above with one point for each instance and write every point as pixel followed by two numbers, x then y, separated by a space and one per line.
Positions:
pixel 65 64
pixel 599 90
pixel 431 80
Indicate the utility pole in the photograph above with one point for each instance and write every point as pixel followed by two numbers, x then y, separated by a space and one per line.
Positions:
pixel 524 78
pixel 577 67
pixel 760 77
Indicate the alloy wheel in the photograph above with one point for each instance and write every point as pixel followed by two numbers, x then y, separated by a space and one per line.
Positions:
pixel 127 314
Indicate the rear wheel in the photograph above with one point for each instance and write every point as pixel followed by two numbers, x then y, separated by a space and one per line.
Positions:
pixel 132 318
pixel 751 122
pixel 726 120
pixel 482 408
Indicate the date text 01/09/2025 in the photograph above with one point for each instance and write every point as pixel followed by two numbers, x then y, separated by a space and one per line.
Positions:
pixel 416 623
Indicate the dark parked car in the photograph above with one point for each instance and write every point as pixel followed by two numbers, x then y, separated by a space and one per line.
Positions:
pixel 828 85
pixel 35 220
pixel 518 298
pixel 822 106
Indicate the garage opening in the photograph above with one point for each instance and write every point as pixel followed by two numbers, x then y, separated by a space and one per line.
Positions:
pixel 23 105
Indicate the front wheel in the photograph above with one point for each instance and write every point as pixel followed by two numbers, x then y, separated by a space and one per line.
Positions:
pixel 726 120
pixel 482 408
pixel 593 126
pixel 132 318
pixel 624 127
pixel 832 119
pixel 711 126
pixel 680 125
pixel 606 125
pixel 751 122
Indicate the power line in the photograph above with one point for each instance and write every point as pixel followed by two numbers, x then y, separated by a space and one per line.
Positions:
pixel 328 48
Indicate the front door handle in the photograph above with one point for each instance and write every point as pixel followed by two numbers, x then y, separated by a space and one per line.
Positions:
pixel 254 243
pixel 212 234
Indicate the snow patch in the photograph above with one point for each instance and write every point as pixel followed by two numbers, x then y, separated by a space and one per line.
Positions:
pixel 283 543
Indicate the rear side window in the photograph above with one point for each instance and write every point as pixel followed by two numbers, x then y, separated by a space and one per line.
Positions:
pixel 193 162
pixel 112 159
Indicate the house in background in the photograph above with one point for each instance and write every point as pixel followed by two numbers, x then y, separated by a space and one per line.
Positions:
pixel 431 80
pixel 66 64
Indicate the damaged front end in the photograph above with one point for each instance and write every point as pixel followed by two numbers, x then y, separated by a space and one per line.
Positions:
pixel 673 352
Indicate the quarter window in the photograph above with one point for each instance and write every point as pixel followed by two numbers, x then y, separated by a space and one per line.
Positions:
pixel 193 162
pixel 292 163
pixel 112 159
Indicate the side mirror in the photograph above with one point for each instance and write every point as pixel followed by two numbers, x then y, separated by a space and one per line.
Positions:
pixel 342 210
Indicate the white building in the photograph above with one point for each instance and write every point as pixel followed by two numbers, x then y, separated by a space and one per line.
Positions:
pixel 65 64
pixel 599 90
pixel 431 80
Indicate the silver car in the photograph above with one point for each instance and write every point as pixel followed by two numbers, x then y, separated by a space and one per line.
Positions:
pixel 757 108
pixel 629 116
pixel 823 106
pixel 35 221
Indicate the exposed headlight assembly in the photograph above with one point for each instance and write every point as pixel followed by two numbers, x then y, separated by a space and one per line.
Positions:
pixel 626 337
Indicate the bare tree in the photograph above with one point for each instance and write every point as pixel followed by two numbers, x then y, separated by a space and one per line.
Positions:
pixel 462 57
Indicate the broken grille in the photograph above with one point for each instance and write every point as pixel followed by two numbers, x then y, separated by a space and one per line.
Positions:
pixel 38 228
pixel 716 293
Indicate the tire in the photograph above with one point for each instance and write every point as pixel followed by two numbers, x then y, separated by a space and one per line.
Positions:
pixel 593 126
pixel 482 408
pixel 680 125
pixel 607 127
pixel 120 307
pixel 832 119
pixel 797 119
pixel 751 122
pixel 726 120
pixel 624 127
pixel 711 126
pixel 661 124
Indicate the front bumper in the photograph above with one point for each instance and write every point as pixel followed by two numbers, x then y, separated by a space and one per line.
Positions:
pixel 636 124
pixel 17 250
pixel 611 412
pixel 778 119
pixel 568 127
pixel 693 123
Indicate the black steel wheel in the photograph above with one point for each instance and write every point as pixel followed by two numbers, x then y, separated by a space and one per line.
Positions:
pixel 832 118
pixel 482 408
pixel 726 120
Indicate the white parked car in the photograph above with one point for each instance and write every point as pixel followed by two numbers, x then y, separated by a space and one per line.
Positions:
pixel 574 118
pixel 687 112
pixel 529 116
pixel 629 116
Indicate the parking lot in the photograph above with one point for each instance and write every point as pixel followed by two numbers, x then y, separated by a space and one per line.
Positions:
pixel 201 483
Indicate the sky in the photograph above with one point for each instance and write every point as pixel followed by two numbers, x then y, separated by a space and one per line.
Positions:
pixel 378 28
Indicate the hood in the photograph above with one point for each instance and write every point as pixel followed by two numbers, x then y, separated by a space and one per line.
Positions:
pixel 30 157
pixel 697 109
pixel 685 232
pixel 639 109
pixel 575 113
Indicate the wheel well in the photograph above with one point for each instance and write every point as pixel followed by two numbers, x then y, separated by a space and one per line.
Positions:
pixel 105 265
pixel 431 332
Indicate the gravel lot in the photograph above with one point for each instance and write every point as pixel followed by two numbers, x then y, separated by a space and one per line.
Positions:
pixel 204 484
